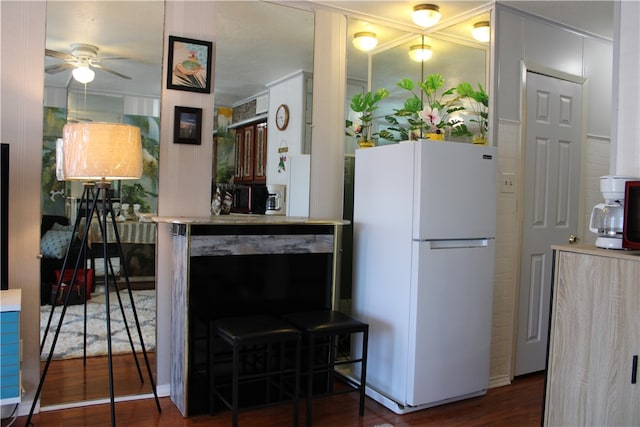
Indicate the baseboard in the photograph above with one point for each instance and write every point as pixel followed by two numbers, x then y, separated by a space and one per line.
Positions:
pixel 24 407
pixel 499 381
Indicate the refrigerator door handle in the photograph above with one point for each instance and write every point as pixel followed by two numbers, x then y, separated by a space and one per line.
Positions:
pixel 458 243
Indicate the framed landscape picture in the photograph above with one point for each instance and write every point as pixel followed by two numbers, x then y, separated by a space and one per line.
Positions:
pixel 187 125
pixel 189 65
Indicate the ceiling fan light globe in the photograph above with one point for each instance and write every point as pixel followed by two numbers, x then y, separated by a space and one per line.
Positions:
pixel 83 74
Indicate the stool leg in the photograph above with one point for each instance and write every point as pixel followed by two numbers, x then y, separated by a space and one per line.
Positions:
pixel 234 391
pixel 212 382
pixel 333 351
pixel 281 368
pixel 267 365
pixel 296 387
pixel 363 368
pixel 310 378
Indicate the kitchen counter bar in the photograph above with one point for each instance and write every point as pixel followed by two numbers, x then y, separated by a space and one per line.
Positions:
pixel 241 264
pixel 247 219
pixel 583 248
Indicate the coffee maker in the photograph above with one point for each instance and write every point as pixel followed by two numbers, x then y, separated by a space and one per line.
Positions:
pixel 607 218
pixel 276 203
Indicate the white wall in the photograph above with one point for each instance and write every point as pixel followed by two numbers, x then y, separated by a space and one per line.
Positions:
pixel 288 91
pixel 327 129
pixel 22 91
pixel 520 37
pixel 626 155
pixel 185 170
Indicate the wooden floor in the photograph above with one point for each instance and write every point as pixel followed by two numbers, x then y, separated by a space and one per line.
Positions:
pixel 519 404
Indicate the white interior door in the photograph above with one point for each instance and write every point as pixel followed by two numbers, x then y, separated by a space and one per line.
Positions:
pixel 551 195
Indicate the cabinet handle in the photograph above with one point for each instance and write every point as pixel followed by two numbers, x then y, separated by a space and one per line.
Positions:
pixel 634 369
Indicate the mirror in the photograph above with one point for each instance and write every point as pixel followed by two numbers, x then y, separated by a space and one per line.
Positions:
pixel 281 49
pixel 456 56
pixel 126 88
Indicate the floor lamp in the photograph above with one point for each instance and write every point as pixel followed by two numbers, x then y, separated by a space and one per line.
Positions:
pixel 99 153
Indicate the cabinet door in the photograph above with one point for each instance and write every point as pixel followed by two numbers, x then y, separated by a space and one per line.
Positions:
pixel 247 156
pixel 260 154
pixel 595 333
pixel 238 156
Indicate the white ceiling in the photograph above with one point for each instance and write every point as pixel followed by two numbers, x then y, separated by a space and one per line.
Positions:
pixel 258 41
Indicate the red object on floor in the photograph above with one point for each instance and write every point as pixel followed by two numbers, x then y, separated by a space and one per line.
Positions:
pixel 80 279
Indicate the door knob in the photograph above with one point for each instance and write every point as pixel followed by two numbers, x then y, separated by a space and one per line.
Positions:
pixel 573 239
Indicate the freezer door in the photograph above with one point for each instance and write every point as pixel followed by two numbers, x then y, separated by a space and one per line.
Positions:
pixel 451 307
pixel 456 192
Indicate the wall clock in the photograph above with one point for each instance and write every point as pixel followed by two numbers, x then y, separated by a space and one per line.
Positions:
pixel 282 117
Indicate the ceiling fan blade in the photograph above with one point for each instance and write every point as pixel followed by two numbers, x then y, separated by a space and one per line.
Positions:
pixel 56 54
pixel 109 70
pixel 113 57
pixel 56 68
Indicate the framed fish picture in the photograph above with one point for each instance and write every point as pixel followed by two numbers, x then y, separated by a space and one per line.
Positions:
pixel 189 65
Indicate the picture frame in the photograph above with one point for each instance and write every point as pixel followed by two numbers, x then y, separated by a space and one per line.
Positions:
pixel 189 66
pixel 187 125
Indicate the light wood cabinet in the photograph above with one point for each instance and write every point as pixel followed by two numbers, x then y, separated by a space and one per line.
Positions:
pixel 250 154
pixel 592 372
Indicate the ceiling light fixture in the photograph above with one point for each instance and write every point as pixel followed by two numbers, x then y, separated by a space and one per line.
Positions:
pixel 426 15
pixel 365 40
pixel 481 31
pixel 83 74
pixel 420 53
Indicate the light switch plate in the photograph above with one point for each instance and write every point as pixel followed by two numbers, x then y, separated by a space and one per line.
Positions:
pixel 508 182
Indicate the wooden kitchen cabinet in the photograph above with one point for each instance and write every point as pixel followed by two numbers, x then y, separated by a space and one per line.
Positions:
pixel 594 343
pixel 260 154
pixel 250 154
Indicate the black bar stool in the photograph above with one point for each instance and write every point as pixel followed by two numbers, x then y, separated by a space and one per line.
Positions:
pixel 262 348
pixel 322 329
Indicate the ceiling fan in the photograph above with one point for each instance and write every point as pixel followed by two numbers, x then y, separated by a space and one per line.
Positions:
pixel 81 60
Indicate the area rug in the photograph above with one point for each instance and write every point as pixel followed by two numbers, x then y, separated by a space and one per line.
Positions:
pixel 70 340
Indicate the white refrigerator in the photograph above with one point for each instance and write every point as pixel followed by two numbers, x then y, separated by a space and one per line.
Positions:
pixel 424 244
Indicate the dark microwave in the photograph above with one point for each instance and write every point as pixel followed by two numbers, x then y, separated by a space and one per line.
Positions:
pixel 631 224
pixel 250 199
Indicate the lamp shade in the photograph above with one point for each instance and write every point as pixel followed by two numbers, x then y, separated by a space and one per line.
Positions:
pixel 481 31
pixel 420 52
pixel 365 40
pixel 426 15
pixel 95 151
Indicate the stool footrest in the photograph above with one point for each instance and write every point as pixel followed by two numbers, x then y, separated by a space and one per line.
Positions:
pixel 321 330
pixel 265 358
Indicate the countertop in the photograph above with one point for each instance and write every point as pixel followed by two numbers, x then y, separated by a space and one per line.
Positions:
pixel 591 249
pixel 248 219
pixel 10 300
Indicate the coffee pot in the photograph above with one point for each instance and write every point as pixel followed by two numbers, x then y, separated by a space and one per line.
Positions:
pixel 606 221
pixel 607 218
pixel 276 199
